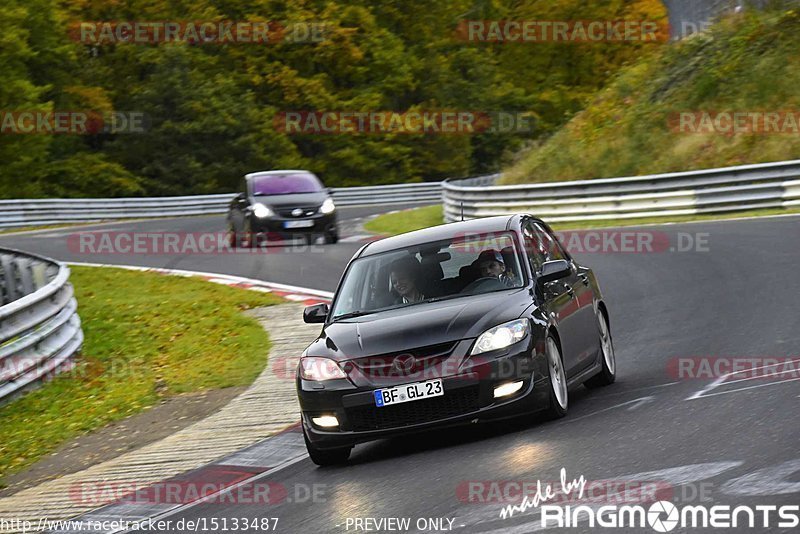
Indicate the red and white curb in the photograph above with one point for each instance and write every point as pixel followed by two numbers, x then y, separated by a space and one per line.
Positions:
pixel 304 295
pixel 227 476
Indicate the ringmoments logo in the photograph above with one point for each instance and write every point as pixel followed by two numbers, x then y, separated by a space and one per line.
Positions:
pixel 660 516
pixel 664 516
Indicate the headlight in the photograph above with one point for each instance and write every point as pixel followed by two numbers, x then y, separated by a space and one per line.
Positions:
pixel 261 211
pixel 320 369
pixel 327 206
pixel 501 336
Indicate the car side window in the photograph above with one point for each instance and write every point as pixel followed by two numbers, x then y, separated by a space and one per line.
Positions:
pixel 541 246
pixel 553 247
pixel 535 247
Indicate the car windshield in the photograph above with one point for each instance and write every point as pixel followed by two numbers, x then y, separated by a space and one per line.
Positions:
pixel 286 184
pixel 457 267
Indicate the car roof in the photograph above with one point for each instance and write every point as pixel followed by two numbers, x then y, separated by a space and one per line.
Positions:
pixel 438 233
pixel 267 173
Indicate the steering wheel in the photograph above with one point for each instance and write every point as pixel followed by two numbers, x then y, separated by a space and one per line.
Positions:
pixel 486 283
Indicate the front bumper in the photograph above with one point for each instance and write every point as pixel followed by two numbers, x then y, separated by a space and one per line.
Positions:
pixel 320 224
pixel 468 397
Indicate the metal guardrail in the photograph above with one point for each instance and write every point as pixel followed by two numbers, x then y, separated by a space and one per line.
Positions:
pixel 687 17
pixel 729 189
pixel 39 212
pixel 769 185
pixel 40 330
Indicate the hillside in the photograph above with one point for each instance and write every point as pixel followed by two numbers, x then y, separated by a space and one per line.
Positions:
pixel 726 97
pixel 209 110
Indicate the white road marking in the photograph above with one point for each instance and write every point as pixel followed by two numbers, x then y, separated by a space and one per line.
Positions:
pixel 617 393
pixel 767 481
pixel 722 380
pixel 636 402
pixel 642 401
pixel 741 389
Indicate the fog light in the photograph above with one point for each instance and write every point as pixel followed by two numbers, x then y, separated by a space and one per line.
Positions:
pixel 325 421
pixel 509 388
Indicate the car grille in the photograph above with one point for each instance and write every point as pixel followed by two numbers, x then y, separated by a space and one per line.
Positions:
pixel 383 365
pixel 287 212
pixel 452 403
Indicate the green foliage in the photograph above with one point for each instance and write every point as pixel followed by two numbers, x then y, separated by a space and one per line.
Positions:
pixel 746 63
pixel 210 108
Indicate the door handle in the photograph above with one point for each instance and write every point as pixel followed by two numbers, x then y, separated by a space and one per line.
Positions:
pixel 570 291
pixel 585 279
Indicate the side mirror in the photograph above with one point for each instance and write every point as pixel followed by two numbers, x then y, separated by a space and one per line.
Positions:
pixel 553 270
pixel 316 313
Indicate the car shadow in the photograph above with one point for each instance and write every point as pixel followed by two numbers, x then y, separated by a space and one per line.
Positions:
pixel 449 437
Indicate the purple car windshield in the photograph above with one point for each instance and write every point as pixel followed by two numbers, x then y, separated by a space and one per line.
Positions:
pixel 286 184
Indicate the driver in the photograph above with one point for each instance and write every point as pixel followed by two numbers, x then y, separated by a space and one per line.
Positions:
pixel 492 265
pixel 403 277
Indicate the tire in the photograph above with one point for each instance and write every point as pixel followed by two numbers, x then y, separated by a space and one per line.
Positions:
pixel 331 237
pixel 559 393
pixel 234 240
pixel 248 239
pixel 239 239
pixel 326 457
pixel 608 373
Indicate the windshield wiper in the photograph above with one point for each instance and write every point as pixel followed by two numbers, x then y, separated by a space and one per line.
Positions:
pixel 445 297
pixel 352 314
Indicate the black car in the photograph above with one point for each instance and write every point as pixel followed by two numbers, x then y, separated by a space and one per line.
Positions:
pixel 465 322
pixel 280 204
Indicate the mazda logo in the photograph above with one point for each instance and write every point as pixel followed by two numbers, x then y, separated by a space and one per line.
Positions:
pixel 404 363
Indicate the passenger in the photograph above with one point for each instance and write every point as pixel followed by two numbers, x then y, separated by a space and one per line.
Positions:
pixel 492 265
pixel 404 277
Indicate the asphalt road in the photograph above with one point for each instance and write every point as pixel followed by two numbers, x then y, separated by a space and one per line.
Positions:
pixel 315 266
pixel 703 440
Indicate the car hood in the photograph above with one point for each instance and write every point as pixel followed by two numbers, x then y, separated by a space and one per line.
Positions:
pixel 419 325
pixel 295 199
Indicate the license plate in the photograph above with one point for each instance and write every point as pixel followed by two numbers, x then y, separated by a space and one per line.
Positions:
pixel 408 393
pixel 298 224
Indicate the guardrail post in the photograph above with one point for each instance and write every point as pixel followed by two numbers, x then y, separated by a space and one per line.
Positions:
pixel 9 279
pixel 39 273
pixel 25 276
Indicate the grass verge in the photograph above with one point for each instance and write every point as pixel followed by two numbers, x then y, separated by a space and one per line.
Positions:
pixel 405 221
pixel 147 337
pixel 25 229
pixel 417 218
